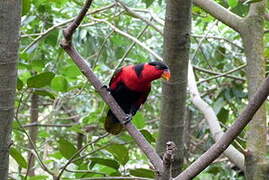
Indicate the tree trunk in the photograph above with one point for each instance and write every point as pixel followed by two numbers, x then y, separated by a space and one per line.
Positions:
pixel 176 55
pixel 252 35
pixel 33 133
pixel 9 44
pixel 256 136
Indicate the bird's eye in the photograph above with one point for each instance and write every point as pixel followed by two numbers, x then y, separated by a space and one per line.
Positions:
pixel 158 67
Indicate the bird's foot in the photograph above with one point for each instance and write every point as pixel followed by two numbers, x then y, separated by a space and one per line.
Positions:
pixel 106 87
pixel 128 118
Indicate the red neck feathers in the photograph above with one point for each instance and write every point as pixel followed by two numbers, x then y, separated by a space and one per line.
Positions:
pixel 139 77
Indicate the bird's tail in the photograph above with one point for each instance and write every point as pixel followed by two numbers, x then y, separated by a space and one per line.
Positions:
pixel 112 124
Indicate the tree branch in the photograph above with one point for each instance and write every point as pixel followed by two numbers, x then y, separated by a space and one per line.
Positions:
pixel 217 11
pixel 219 147
pixel 86 70
pixel 232 153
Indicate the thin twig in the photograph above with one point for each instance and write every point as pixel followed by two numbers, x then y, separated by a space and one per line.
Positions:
pixel 223 74
pixel 49 125
pixel 129 37
pixel 135 14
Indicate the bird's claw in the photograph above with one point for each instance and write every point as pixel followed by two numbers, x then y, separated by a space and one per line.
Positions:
pixel 128 118
pixel 106 87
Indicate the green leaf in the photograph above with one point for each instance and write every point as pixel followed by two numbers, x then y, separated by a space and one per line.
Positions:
pixel 141 172
pixel 26 4
pixel 45 93
pixel 106 162
pixel 232 3
pixel 38 65
pixel 71 71
pixel 43 134
pixel 148 2
pixel 139 120
pixel 59 83
pixel 223 115
pixel 38 177
pixel 76 128
pixel 40 80
pixel 52 38
pixel 148 136
pixel 19 84
pixel 120 152
pixel 66 148
pixel 56 155
pixel 18 157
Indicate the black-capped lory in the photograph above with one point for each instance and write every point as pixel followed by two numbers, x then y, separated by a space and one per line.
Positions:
pixel 130 87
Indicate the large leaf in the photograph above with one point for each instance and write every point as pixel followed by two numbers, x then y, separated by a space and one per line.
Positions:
pixel 106 162
pixel 59 83
pixel 71 71
pixel 66 148
pixel 120 152
pixel 40 80
pixel 18 157
pixel 148 136
pixel 141 172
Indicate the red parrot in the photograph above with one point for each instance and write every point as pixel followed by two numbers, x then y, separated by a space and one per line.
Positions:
pixel 130 87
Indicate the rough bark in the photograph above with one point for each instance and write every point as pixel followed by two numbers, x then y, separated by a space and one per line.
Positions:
pixel 9 43
pixel 33 131
pixel 252 35
pixel 176 55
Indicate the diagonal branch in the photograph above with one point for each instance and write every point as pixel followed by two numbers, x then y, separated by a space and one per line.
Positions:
pixel 66 44
pixel 219 147
pixel 217 11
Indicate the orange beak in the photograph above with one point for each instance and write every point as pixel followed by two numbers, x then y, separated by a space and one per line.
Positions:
pixel 166 75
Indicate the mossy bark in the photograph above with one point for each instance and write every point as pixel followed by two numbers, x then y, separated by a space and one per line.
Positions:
pixel 252 33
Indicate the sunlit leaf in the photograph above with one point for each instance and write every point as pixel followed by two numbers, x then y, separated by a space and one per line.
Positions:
pixel 18 157
pixel 40 80
pixel 139 120
pixel 232 3
pixel 59 83
pixel 120 152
